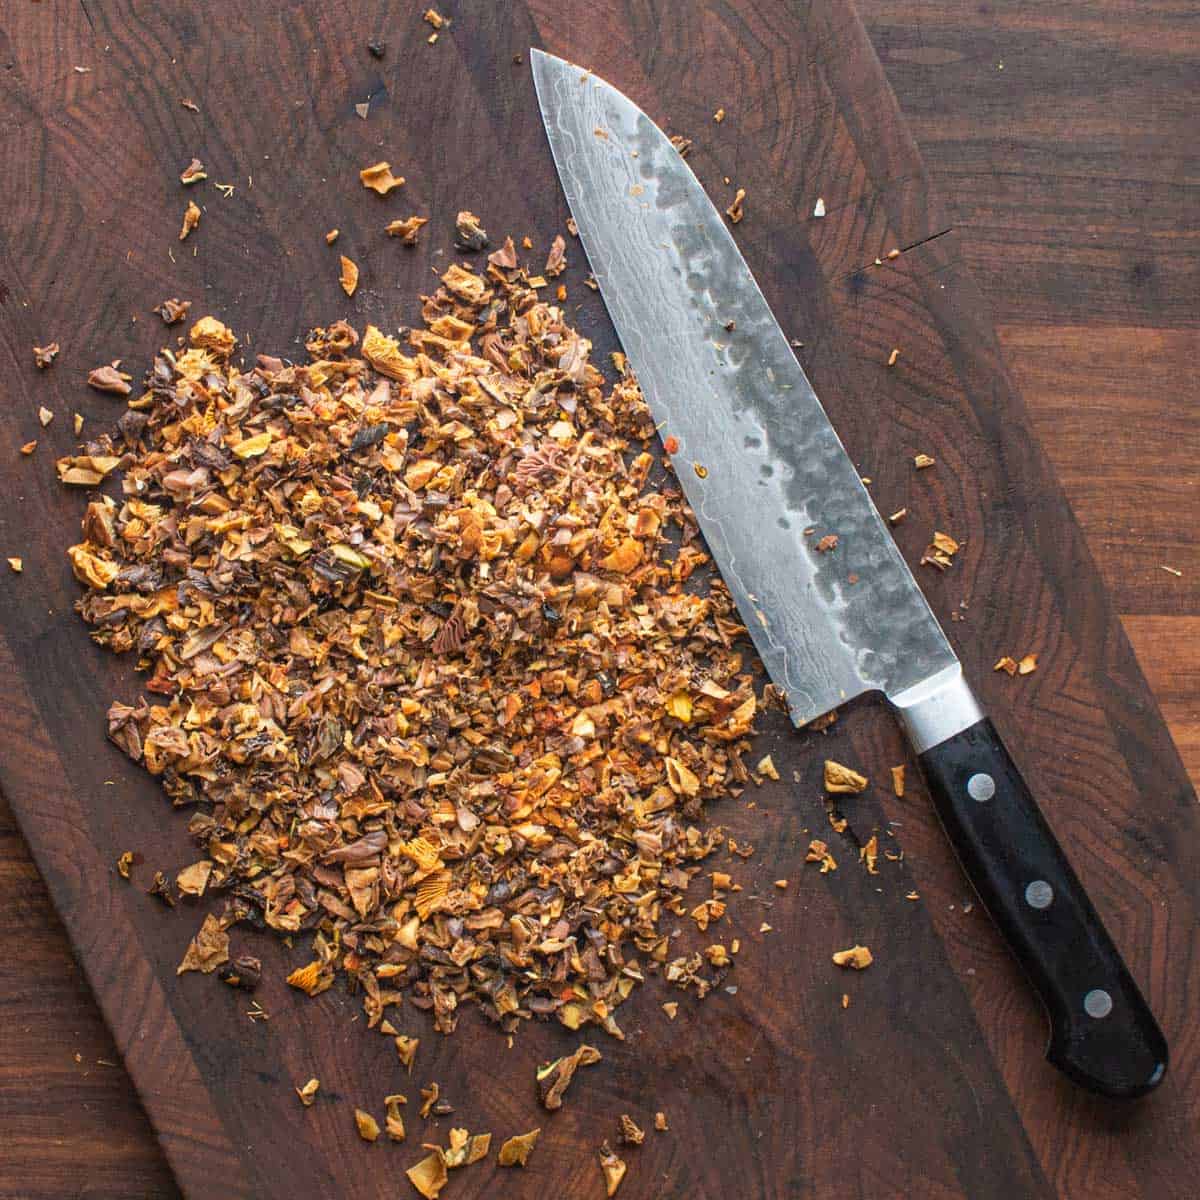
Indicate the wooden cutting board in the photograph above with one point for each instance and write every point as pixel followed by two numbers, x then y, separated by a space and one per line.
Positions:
pixel 931 1083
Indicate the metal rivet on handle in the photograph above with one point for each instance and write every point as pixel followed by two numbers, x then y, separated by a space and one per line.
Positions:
pixel 981 787
pixel 1039 894
pixel 1097 1003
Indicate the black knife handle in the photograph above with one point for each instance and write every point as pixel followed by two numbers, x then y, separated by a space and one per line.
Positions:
pixel 1102 1033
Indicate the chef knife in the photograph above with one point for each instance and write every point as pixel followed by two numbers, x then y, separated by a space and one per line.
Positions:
pixel 760 464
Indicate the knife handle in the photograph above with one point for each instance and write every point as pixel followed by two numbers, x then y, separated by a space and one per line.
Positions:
pixel 1102 1033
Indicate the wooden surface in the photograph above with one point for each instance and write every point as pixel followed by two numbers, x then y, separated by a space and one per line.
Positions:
pixel 1068 181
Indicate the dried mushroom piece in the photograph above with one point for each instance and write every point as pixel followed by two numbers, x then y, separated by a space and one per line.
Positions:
pixel 43 356
pixel 173 311
pixel 191 218
pixel 613 1168
pixel 630 1133
pixel 349 275
pixel 244 973
pixel 367 1126
pixel 469 234
pixel 898 780
pixel 208 949
pixel 736 211
pixel 109 379
pixel 379 178
pixel 840 779
pixel 407 229
pixel 429 1175
pixel 308 1092
pixel 857 957
pixel 394 1123
pixel 516 1150
pixel 940 552
pixel 194 172
pixel 553 1079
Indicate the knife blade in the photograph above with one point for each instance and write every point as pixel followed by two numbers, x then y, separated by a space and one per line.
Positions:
pixel 767 476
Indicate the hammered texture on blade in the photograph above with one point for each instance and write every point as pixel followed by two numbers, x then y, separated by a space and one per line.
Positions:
pixel 757 457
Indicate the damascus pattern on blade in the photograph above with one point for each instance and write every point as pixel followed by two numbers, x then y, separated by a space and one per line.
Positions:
pixel 757 457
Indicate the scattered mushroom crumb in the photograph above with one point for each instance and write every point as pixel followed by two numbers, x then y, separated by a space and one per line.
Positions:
pixel 897 516
pixel 516 1150
pixel 190 105
pixel 1027 665
pixel 45 416
pixel 819 207
pixel 857 957
pixel 1171 571
pixel 827 543
pixel 379 178
pixel 719 115
pixel 125 864
pixel 735 211
pixel 349 276
pixel 173 311
pixel 868 854
pixel 818 852
pixel 1007 664
pixel 660 1122
pixel 898 780
pixel 613 1167
pixel 681 144
pixel 109 379
pixel 671 1008
pixel 940 552
pixel 839 778
pixel 407 229
pixel 332 236
pixel 470 234
pixel 630 1133
pixel 893 253
pixel 394 1121
pixel 363 109
pixel 191 218
pixel 923 461
pixel 16 565
pixel 766 766
pixel 429 1097
pixel 912 895
pixel 781 884
pixel 895 354
pixel 194 172
pixel 43 356
pixel 308 1093
pixel 29 447
pixel 434 18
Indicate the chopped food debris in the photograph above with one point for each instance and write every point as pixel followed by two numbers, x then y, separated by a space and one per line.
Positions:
pixel 29 447
pixel 868 854
pixel 161 889
pixel 552 1079
pixel 630 1134
pixel 719 115
pixel 407 229
pixel 194 172
pixel 898 780
pixel 244 972
pixel 379 178
pixel 556 262
pixel 469 233
pixel 671 1008
pixel 86 470
pixel 190 105
pixel 781 884
pixel 923 461
pixel 192 881
pixel 845 1000
pixel 838 824
pixel 682 144
pixel 406 1048
pixel 332 236
pixel 1027 665
pixel 660 1122
pixel 858 957
pixel 191 218
pixel 349 276
pixel 893 357
pixel 17 565
pixel 363 109
pixel 43 356
pixel 435 18
pixel 109 379
pixel 827 543
pixel 125 864
pixel 208 949
pixel 429 1097
pixel 843 779
pixel 940 552
pixel 45 416
pixel 429 1175
pixel 173 311
pixel 308 1093
pixel 818 852
pixel 1169 570
pixel 516 1150
pixel 819 207
pixel 1006 664
pixel 911 896
pixel 766 766
pixel 312 979
pixel 735 211
pixel 898 516
pixel 613 1167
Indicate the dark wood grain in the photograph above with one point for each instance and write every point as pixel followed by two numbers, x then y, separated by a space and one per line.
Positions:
pixel 932 1082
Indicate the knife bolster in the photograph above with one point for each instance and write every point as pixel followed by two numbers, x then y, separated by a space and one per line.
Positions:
pixel 937 708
